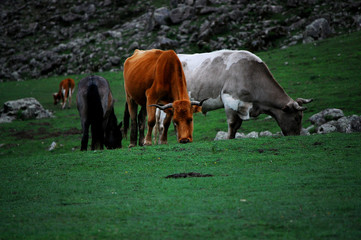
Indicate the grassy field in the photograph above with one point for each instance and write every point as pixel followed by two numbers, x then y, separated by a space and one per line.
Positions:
pixel 305 187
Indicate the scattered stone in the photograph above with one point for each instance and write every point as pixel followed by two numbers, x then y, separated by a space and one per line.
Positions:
pixel 252 135
pixel 52 146
pixel 221 136
pixel 265 134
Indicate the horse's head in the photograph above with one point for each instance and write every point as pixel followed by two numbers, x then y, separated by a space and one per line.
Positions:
pixel 113 134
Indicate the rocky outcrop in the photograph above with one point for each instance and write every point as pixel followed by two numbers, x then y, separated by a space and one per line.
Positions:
pixel 25 108
pixel 43 38
pixel 333 120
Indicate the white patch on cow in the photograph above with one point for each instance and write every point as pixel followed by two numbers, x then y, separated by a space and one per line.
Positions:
pixel 63 91
pixel 193 61
pixel 242 108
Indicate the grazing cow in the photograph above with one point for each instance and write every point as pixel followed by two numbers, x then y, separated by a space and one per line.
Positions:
pixel 96 108
pixel 240 82
pixel 155 78
pixel 66 89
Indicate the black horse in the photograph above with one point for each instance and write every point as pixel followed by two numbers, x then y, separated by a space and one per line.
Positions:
pixel 96 108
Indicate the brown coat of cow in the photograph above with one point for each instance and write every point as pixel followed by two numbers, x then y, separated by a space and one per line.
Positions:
pixel 155 78
pixel 66 90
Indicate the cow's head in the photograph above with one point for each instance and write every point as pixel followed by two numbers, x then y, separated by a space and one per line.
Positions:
pixel 289 118
pixel 56 97
pixel 182 112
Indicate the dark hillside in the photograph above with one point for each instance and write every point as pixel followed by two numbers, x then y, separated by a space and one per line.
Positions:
pixel 61 37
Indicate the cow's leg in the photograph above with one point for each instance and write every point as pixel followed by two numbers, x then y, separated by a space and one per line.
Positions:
pixel 141 122
pixel 84 140
pixel 133 108
pixel 164 135
pixel 234 122
pixel 151 123
pixel 69 97
pixel 64 96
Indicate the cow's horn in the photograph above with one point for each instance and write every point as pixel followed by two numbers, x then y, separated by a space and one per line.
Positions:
pixel 301 101
pixel 198 103
pixel 298 107
pixel 162 107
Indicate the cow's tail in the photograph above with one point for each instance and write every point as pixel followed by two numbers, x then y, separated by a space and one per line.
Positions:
pixel 95 112
pixel 126 120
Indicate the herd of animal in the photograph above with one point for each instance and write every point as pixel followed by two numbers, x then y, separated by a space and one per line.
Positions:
pixel 170 87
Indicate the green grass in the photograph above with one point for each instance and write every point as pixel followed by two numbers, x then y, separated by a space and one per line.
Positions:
pixel 264 188
pixel 305 187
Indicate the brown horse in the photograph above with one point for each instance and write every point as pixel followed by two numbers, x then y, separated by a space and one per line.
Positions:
pixel 96 108
pixel 66 89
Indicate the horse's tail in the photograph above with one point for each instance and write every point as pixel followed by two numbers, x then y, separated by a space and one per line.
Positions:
pixel 126 120
pixel 95 113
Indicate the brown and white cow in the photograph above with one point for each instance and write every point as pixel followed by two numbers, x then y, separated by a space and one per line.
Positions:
pixel 155 78
pixel 66 90
pixel 240 82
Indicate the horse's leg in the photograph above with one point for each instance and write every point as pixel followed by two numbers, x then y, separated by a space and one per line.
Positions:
pixel 133 108
pixel 97 136
pixel 164 137
pixel 84 140
pixel 141 122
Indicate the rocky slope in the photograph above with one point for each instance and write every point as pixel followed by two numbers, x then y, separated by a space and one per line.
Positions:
pixel 61 37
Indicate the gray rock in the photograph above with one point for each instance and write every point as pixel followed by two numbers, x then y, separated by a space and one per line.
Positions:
pixel 70 18
pixel 252 135
pixel 221 136
pixel 265 134
pixel 304 132
pixel 133 46
pixel 161 16
pixel 327 128
pixel 318 29
pixel 349 124
pixel 114 60
pixel 25 108
pixel 357 21
pixel 326 115
pixel 181 13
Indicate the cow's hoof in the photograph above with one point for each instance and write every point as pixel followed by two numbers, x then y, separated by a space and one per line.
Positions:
pixel 146 143
pixel 131 145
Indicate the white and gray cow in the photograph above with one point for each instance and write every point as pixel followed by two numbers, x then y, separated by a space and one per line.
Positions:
pixel 240 82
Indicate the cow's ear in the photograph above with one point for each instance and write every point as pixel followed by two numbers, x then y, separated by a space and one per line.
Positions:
pixel 196 108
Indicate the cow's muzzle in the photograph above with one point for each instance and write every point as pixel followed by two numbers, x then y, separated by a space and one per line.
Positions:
pixel 184 140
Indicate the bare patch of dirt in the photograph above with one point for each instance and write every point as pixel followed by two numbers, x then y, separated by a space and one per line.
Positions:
pixel 269 150
pixel 190 174
pixel 43 133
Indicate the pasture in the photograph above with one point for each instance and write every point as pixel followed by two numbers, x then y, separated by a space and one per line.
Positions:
pixel 304 187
